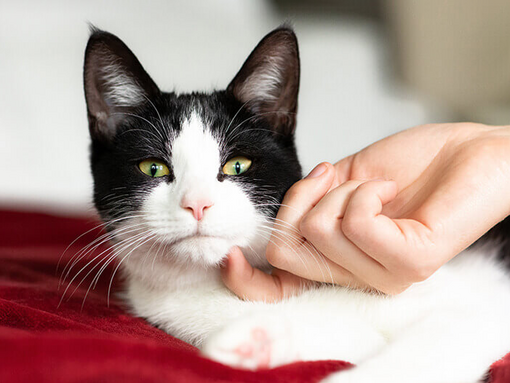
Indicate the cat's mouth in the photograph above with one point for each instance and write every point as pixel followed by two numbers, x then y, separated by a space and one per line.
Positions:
pixel 200 236
pixel 204 249
pixel 195 237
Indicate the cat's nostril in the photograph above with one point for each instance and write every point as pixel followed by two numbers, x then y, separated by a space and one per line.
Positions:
pixel 197 208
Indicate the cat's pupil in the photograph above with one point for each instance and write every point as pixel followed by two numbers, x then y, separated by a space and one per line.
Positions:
pixel 154 169
pixel 238 167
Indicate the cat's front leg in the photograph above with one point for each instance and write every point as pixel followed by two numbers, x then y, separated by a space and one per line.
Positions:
pixel 271 338
pixel 454 347
pixel 253 342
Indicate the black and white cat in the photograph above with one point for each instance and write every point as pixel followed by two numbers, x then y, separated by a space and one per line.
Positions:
pixel 181 179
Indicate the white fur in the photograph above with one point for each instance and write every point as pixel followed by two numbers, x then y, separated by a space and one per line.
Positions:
pixel 194 247
pixel 448 329
pixel 123 90
pixel 263 83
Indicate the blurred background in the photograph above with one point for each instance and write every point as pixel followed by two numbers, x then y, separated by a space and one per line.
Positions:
pixel 369 69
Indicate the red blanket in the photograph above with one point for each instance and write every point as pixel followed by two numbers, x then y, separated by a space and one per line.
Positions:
pixel 89 341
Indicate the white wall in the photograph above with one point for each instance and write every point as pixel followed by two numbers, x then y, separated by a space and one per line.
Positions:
pixel 346 99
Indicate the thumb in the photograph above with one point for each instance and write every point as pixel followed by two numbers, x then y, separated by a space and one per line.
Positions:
pixel 253 284
pixel 306 193
pixel 298 201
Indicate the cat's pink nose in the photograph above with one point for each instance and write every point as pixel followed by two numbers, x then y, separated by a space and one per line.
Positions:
pixel 197 208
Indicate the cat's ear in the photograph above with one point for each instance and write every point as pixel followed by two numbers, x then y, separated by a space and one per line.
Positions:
pixel 115 83
pixel 268 82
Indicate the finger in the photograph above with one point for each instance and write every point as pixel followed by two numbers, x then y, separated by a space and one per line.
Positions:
pixel 300 198
pixel 343 169
pixel 365 226
pixel 287 249
pixel 322 227
pixel 253 284
pixel 304 194
pixel 334 204
pixel 304 260
pixel 395 244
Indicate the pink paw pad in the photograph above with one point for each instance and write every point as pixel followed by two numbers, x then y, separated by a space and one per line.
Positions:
pixel 257 348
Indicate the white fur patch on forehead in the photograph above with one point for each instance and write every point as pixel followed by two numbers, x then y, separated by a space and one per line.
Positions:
pixel 195 151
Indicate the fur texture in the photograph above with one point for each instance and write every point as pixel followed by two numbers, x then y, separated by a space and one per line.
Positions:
pixel 449 328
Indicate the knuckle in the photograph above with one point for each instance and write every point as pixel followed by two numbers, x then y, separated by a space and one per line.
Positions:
pixel 364 187
pixel 393 285
pixel 365 193
pixel 276 256
pixel 348 188
pixel 414 271
pixel 368 187
pixel 396 290
pixel 352 227
pixel 422 273
pixel 416 274
pixel 353 184
pixel 314 226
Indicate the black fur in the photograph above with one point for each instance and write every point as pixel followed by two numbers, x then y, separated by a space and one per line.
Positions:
pixel 499 234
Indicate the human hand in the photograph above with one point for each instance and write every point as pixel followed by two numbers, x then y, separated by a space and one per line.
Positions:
pixel 449 186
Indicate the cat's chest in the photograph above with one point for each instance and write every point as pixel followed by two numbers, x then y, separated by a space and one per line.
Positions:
pixel 189 313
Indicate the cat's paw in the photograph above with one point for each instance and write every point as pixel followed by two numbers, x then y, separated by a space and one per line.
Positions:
pixel 360 374
pixel 253 343
pixel 339 377
pixel 352 375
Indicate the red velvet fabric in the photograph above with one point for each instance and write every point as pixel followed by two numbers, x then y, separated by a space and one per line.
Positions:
pixel 85 340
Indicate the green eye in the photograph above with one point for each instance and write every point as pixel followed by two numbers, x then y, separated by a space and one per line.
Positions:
pixel 236 166
pixel 154 168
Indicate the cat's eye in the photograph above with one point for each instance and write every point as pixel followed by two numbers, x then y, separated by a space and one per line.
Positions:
pixel 236 166
pixel 154 168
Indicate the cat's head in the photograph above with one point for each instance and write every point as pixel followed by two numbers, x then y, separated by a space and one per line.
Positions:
pixel 185 177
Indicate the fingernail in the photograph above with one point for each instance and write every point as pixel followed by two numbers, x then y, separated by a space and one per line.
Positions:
pixel 317 171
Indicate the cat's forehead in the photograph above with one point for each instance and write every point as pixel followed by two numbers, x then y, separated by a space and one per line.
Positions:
pixel 198 118
pixel 210 111
pixel 195 148
pixel 194 131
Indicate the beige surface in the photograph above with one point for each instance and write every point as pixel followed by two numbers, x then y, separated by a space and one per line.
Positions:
pixel 457 51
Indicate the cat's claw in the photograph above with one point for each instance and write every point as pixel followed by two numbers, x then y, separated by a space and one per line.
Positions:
pixel 253 343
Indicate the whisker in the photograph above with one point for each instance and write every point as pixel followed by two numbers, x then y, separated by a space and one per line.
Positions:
pixel 258 115
pixel 120 263
pixel 100 225
pixel 114 255
pixel 92 246
pixel 159 115
pixel 81 270
pixel 308 247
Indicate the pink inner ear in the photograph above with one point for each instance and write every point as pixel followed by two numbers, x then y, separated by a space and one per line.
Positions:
pixel 197 207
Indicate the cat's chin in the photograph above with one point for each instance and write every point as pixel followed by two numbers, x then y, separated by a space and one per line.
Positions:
pixel 200 249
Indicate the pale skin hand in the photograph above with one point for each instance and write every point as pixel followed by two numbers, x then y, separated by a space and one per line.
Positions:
pixel 386 217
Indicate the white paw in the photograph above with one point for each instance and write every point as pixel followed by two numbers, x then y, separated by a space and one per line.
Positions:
pixel 352 375
pixel 339 377
pixel 359 374
pixel 253 343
